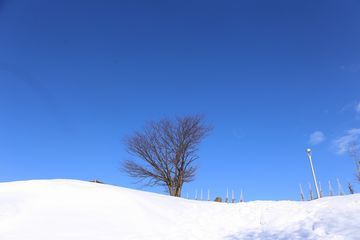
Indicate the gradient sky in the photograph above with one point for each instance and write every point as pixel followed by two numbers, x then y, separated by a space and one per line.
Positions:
pixel 272 77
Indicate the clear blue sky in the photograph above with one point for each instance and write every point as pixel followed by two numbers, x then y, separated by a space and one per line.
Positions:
pixel 77 76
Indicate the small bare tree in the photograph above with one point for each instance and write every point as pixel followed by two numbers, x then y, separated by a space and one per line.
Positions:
pixel 340 189
pixel 311 194
pixel 354 151
pixel 302 193
pixel 166 152
pixel 320 190
pixel 331 192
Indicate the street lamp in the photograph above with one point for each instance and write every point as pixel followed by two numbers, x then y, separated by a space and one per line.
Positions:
pixel 308 151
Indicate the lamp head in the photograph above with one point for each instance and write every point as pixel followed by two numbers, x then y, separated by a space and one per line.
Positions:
pixel 308 151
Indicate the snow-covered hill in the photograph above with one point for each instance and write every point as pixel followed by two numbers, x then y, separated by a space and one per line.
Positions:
pixel 76 210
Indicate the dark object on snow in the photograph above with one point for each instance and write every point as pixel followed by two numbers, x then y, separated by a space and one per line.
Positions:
pixel 351 189
pixel 218 199
pixel 97 181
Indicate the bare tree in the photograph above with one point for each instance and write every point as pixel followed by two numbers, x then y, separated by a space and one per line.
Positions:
pixel 302 193
pixel 354 151
pixel 320 190
pixel 311 194
pixel 166 152
pixel 331 192
pixel 340 189
pixel 241 199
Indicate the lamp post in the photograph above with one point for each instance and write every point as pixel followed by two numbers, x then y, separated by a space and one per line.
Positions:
pixel 308 151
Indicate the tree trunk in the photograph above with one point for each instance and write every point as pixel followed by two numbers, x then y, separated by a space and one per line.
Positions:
pixel 171 190
pixel 174 191
pixel 178 192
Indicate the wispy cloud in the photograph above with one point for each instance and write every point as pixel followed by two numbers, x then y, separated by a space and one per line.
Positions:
pixel 357 107
pixel 351 107
pixel 316 137
pixel 343 143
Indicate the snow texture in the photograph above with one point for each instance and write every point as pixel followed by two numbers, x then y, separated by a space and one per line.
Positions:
pixel 77 210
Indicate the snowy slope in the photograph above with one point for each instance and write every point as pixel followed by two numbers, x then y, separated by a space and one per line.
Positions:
pixel 76 210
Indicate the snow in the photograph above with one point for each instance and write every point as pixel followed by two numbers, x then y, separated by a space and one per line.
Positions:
pixel 77 210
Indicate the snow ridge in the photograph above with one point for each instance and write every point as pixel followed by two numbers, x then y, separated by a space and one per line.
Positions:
pixel 77 210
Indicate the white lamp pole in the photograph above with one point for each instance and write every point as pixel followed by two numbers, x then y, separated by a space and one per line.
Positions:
pixel 308 151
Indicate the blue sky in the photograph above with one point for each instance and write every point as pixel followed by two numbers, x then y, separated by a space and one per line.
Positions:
pixel 273 78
